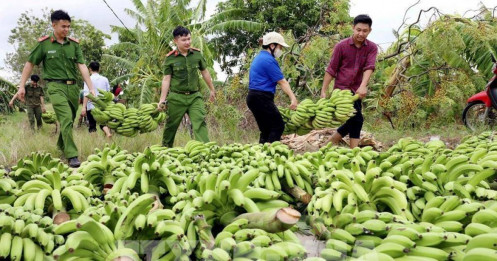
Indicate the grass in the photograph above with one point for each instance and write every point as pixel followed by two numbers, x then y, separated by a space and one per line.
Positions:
pixel 17 140
pixel 451 133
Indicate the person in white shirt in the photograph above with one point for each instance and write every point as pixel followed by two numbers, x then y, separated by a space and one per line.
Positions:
pixel 99 83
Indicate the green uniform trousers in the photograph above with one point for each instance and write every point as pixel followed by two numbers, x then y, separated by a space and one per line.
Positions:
pixel 34 112
pixel 178 105
pixel 64 99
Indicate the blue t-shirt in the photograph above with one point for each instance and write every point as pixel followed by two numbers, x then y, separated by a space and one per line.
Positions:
pixel 264 73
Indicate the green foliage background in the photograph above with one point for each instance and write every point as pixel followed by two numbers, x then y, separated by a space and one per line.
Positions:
pixel 423 79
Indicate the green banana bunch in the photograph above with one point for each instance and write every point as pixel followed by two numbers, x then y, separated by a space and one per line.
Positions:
pixel 105 96
pixel 325 113
pixel 149 175
pixel 25 235
pixel 126 121
pixel 285 174
pixel 100 116
pixel 236 241
pixel 88 239
pixel 35 164
pixel 8 190
pixel 49 117
pixel 105 167
pixel 55 192
pixel 225 193
pixel 145 119
pixel 343 103
pixel 103 99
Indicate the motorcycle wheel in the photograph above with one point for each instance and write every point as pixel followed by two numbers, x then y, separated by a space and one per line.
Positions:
pixel 473 116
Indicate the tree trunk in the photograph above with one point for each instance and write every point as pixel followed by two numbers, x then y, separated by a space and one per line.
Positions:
pixel 395 77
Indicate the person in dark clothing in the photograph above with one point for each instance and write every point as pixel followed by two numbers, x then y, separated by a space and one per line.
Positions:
pixel 351 65
pixel 35 102
pixel 265 74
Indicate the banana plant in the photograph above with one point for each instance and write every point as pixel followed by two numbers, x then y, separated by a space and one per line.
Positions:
pixel 152 39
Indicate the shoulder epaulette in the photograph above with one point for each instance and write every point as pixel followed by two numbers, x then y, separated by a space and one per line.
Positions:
pixel 43 38
pixel 74 40
pixel 171 53
pixel 196 49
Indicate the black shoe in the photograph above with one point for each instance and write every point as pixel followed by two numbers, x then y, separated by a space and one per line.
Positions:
pixel 74 162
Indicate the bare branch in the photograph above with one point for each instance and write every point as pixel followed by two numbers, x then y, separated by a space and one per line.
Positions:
pixel 399 49
pixel 443 67
pixel 404 19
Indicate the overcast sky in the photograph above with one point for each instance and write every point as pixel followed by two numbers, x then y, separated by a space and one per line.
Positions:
pixel 386 14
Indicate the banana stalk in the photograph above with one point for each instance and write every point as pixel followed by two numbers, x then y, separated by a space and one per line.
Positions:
pixel 204 232
pixel 273 221
pixel 298 193
pixel 97 101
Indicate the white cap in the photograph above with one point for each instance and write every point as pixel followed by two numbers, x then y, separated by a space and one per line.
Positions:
pixel 273 37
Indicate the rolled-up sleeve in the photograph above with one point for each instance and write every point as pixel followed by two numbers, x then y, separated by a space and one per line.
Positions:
pixel 334 61
pixel 371 59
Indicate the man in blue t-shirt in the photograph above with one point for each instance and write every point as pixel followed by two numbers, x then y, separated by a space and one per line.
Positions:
pixel 264 75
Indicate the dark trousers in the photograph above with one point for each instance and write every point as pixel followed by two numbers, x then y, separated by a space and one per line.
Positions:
pixel 34 112
pixel 353 126
pixel 266 114
pixel 92 122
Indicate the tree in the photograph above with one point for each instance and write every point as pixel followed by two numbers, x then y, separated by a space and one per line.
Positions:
pixel 430 72
pixel 303 17
pixel 151 39
pixel 31 27
pixel 7 91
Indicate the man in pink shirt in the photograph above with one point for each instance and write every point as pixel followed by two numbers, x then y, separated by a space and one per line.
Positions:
pixel 351 65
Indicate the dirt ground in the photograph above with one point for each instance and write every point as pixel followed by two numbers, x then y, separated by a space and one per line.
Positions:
pixel 319 138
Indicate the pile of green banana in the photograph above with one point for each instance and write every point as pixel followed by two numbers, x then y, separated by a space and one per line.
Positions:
pixel 125 121
pixel 104 167
pixel 366 233
pixel 49 117
pixel 224 194
pixel 236 241
pixel 87 239
pixel 325 113
pixel 149 174
pixel 35 164
pixel 417 200
pixel 26 235
pixel 55 192
pixel 414 148
pixel 449 192
pixel 8 190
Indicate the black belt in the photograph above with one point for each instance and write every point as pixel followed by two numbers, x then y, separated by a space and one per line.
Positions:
pixel 68 82
pixel 186 93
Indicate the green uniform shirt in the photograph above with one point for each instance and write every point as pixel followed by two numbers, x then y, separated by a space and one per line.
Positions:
pixel 184 70
pixel 59 60
pixel 33 95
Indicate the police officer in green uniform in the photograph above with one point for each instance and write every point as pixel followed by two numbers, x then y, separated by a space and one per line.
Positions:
pixel 61 57
pixel 35 103
pixel 181 87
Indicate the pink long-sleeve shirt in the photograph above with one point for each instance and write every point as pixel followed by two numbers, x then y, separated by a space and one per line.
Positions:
pixel 348 63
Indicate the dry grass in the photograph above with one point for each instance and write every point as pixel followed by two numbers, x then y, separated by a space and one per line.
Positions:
pixel 17 140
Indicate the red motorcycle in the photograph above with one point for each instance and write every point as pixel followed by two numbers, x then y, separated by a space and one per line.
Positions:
pixel 480 112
